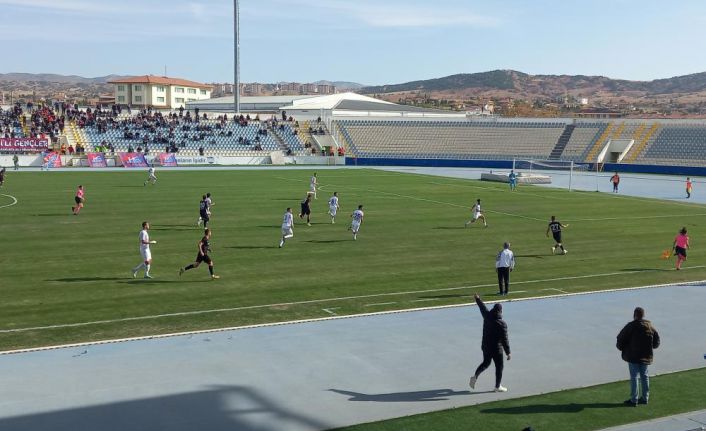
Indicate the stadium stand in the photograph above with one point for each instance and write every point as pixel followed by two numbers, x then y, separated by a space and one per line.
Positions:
pixel 490 140
pixel 181 133
pixel 680 145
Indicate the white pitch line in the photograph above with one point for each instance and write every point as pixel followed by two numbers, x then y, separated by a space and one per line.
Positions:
pixel 426 300
pixel 317 301
pixel 14 200
pixel 637 217
pixel 330 310
pixel 325 319
pixel 416 198
pixel 557 290
pixel 377 304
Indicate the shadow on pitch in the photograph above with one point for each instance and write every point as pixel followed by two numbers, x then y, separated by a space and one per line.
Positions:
pixel 453 295
pixel 646 269
pixel 251 247
pixel 401 397
pixel 175 227
pixel 52 214
pixel 536 256
pixel 80 279
pixel 551 408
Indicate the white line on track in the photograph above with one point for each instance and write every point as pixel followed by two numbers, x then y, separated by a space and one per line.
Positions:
pixel 352 316
pixel 317 301
pixel 14 201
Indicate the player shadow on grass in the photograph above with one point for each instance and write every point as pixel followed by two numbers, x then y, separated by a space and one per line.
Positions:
pixel 177 227
pixel 51 214
pixel 647 269
pixel 551 408
pixel 536 256
pixel 251 247
pixel 400 397
pixel 78 279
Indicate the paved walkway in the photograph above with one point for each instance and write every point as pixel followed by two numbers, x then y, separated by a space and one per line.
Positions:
pixel 324 374
pixel 694 421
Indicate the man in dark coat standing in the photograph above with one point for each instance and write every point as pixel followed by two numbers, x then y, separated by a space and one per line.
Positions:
pixel 494 343
pixel 636 341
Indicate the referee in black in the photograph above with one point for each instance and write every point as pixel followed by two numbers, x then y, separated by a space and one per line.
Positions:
pixel 504 263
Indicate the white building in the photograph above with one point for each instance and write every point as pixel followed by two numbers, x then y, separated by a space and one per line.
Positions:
pixel 159 92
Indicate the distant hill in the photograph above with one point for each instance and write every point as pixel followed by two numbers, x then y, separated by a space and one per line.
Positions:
pixel 51 77
pixel 341 85
pixel 545 85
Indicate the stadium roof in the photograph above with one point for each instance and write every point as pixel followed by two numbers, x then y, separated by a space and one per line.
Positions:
pixel 164 80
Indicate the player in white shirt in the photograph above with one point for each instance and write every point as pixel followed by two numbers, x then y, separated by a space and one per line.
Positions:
pixel 144 251
pixel 312 185
pixel 477 214
pixel 287 224
pixel 151 178
pixel 333 207
pixel 357 217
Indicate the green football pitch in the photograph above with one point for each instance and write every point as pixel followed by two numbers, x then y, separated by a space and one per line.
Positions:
pixel 66 279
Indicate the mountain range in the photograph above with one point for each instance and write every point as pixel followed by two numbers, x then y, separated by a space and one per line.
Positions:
pixel 519 83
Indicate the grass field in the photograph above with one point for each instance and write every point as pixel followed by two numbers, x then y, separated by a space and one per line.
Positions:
pixel 67 279
pixel 585 409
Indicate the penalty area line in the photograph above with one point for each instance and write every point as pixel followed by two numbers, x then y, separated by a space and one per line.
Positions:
pixel 14 200
pixel 320 301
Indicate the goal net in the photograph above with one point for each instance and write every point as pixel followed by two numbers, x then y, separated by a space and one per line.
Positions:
pixel 549 165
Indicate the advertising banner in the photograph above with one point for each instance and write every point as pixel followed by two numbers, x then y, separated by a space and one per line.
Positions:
pixel 133 160
pixel 97 160
pixel 52 160
pixel 23 144
pixel 168 159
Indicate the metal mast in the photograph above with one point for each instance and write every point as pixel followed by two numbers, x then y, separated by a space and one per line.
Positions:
pixel 236 57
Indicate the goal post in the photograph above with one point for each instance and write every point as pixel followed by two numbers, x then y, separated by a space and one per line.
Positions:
pixel 551 167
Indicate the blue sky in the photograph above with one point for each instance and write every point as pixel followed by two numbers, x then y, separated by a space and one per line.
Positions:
pixel 367 41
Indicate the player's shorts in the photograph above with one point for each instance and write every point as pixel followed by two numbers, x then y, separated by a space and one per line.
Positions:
pixel 312 188
pixel 286 230
pixel 332 210
pixel 78 200
pixel 151 177
pixel 305 210
pixel 146 254
pixel 205 216
pixel 476 216
pixel 355 226
pixel 679 251
pixel 557 237
pixel 203 258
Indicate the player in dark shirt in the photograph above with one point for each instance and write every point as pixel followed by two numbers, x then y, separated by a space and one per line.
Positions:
pixel 204 213
pixel 306 209
pixel 202 256
pixel 2 176
pixel 555 228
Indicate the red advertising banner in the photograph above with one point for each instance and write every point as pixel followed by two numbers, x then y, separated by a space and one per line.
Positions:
pixel 97 160
pixel 52 160
pixel 133 160
pixel 23 144
pixel 168 159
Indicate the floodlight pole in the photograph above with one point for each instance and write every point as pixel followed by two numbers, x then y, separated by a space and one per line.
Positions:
pixel 236 57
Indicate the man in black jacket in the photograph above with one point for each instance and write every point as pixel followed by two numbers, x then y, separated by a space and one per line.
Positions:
pixel 636 341
pixel 494 343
